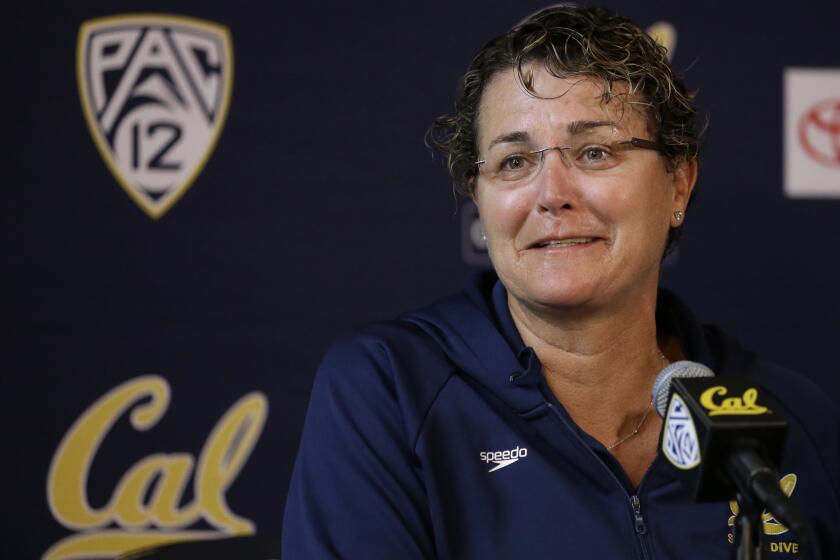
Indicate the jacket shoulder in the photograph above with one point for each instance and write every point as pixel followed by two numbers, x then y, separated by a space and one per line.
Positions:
pixel 355 485
pixel 808 407
pixel 803 401
pixel 394 361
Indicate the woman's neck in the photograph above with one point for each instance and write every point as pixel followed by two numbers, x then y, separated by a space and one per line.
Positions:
pixel 600 365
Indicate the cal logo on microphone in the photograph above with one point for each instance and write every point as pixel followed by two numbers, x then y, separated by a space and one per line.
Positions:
pixel 706 418
pixel 744 405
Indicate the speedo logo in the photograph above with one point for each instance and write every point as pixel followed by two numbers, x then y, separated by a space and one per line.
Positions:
pixel 503 458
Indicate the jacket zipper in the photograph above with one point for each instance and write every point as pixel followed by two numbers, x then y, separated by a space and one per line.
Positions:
pixel 635 504
pixel 637 513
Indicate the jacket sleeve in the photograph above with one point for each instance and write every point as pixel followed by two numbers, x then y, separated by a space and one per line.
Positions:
pixel 355 492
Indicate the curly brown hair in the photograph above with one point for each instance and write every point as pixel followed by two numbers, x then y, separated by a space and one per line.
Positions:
pixel 574 41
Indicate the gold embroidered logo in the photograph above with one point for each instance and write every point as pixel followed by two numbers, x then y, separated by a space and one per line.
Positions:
pixel 146 507
pixel 744 405
pixel 155 91
pixel 771 525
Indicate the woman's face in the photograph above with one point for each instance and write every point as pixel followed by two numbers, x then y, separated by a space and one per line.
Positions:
pixel 570 238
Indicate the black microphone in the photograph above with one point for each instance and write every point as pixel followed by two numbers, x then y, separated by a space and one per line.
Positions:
pixel 724 435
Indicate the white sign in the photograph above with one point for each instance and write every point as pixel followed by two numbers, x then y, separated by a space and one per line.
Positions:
pixel 812 132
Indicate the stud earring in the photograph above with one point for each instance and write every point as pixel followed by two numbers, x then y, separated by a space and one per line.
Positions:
pixel 678 215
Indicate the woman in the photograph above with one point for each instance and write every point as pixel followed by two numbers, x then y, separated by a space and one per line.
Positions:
pixel 514 420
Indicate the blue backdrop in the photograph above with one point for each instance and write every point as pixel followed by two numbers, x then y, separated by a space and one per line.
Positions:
pixel 318 208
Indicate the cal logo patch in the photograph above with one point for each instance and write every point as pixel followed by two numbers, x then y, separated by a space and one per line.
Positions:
pixel 155 91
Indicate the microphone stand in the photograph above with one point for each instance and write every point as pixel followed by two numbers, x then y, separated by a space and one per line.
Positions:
pixel 757 489
pixel 749 527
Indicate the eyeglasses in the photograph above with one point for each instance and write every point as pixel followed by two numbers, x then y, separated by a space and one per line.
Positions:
pixel 586 154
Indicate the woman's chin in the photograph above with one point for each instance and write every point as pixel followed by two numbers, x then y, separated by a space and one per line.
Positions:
pixel 560 297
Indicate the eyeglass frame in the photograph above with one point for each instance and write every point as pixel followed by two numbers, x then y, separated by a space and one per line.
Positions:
pixel 639 143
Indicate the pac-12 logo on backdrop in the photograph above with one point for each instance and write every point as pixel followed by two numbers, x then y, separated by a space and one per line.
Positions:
pixel 155 91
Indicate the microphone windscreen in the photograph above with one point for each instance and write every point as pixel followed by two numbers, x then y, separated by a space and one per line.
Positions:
pixel 662 385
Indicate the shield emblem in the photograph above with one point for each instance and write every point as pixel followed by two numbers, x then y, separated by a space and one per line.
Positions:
pixel 679 436
pixel 155 91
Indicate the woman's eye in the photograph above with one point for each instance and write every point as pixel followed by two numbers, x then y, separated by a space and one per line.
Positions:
pixel 514 163
pixel 595 154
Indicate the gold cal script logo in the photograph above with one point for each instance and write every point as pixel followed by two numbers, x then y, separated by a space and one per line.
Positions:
pixel 145 507
pixel 744 405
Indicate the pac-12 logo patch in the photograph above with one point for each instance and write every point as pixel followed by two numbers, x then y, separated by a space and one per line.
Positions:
pixel 155 91
pixel 679 436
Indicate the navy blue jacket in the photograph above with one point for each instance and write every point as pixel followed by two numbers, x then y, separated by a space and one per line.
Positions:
pixel 435 436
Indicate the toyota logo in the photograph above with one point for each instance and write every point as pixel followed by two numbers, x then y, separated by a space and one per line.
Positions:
pixel 819 132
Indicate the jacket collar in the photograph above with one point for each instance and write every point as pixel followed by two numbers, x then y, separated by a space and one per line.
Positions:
pixel 478 334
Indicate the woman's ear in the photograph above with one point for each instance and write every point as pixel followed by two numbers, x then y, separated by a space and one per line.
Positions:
pixel 684 179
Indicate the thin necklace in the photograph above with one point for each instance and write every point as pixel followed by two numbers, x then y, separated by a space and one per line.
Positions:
pixel 635 431
pixel 638 427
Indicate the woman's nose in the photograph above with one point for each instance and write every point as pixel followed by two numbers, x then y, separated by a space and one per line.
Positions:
pixel 556 182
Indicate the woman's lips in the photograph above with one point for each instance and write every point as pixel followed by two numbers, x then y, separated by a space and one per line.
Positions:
pixel 567 242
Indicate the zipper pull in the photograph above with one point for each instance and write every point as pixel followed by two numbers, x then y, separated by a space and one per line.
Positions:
pixel 637 514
